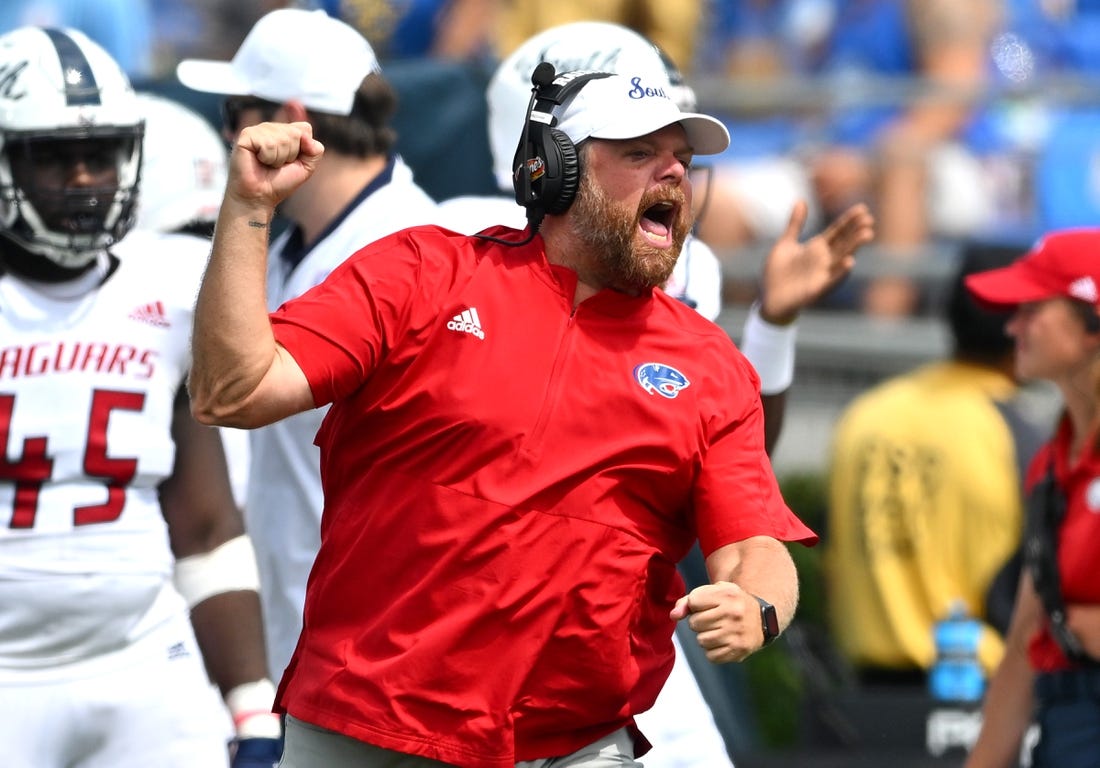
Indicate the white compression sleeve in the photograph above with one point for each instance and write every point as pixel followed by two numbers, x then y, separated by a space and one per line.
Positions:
pixel 227 568
pixel 771 350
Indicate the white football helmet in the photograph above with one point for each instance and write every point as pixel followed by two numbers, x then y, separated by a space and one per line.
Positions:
pixel 595 45
pixel 56 87
pixel 682 93
pixel 184 167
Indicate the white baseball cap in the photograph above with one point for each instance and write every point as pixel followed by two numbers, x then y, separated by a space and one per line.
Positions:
pixel 628 106
pixel 291 54
pixel 596 45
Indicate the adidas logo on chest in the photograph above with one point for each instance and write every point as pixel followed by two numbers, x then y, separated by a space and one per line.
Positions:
pixel 467 321
pixel 152 314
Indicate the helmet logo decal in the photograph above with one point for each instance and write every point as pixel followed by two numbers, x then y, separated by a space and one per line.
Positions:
pixel 80 84
pixel 660 379
pixel 9 79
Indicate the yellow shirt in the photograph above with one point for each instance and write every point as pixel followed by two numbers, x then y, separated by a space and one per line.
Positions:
pixel 924 508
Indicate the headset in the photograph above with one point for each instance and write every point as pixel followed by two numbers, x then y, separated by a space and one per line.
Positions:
pixel 546 166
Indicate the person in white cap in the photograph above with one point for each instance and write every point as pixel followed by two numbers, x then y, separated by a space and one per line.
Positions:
pixel 524 438
pixel 298 65
pixel 795 276
pixel 697 278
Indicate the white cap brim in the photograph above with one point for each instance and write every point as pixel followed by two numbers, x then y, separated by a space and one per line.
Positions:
pixel 213 77
pixel 706 135
pixel 620 107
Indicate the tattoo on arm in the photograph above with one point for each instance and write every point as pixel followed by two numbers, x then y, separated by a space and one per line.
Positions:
pixel 257 224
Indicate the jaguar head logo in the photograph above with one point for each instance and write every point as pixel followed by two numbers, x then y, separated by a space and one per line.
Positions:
pixel 660 379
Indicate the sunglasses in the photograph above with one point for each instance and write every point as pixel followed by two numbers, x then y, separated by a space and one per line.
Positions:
pixel 235 106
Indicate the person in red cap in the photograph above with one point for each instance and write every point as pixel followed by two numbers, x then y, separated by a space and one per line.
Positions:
pixel 1051 667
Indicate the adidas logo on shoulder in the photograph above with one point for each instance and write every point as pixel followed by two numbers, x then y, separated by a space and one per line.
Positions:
pixel 467 321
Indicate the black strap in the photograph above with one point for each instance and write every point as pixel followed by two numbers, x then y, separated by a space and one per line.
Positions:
pixel 1046 508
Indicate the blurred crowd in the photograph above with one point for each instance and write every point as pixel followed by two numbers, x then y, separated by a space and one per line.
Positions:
pixel 952 120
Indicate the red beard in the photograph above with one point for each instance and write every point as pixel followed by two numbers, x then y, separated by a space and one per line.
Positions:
pixel 625 261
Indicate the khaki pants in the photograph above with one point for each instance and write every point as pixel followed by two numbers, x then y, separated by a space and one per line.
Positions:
pixel 308 746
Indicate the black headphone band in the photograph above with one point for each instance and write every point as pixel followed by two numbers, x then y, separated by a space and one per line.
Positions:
pixel 562 87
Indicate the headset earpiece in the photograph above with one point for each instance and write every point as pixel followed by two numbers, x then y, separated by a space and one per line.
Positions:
pixel 546 164
pixel 560 191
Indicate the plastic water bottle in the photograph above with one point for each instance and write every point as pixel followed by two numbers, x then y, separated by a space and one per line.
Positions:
pixel 957 675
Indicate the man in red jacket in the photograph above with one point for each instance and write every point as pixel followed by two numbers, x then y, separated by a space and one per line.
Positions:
pixel 524 439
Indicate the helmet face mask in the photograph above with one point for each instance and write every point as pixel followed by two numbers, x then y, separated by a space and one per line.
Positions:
pixel 73 215
pixel 70 146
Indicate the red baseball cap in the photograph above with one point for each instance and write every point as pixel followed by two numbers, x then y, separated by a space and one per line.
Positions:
pixel 1064 263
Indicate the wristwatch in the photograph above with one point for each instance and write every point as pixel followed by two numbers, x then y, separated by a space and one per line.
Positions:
pixel 769 619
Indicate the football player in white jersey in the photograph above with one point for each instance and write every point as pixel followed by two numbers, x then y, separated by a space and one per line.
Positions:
pixel 117 524
pixel 304 65
pixel 680 723
pixel 183 171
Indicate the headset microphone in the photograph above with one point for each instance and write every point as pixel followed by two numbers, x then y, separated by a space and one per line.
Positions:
pixel 540 78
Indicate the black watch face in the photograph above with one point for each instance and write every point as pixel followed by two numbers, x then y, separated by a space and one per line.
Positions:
pixel 770 620
pixel 771 623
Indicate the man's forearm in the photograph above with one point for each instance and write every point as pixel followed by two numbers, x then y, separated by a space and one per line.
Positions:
pixel 761 566
pixel 233 345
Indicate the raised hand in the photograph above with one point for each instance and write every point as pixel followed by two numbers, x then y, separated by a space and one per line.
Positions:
pixel 271 160
pixel 798 274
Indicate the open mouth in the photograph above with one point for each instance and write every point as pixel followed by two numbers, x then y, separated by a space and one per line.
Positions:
pixel 656 222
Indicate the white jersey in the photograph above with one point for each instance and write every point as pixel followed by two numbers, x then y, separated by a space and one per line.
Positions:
pixel 87 386
pixel 696 278
pixel 283 507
